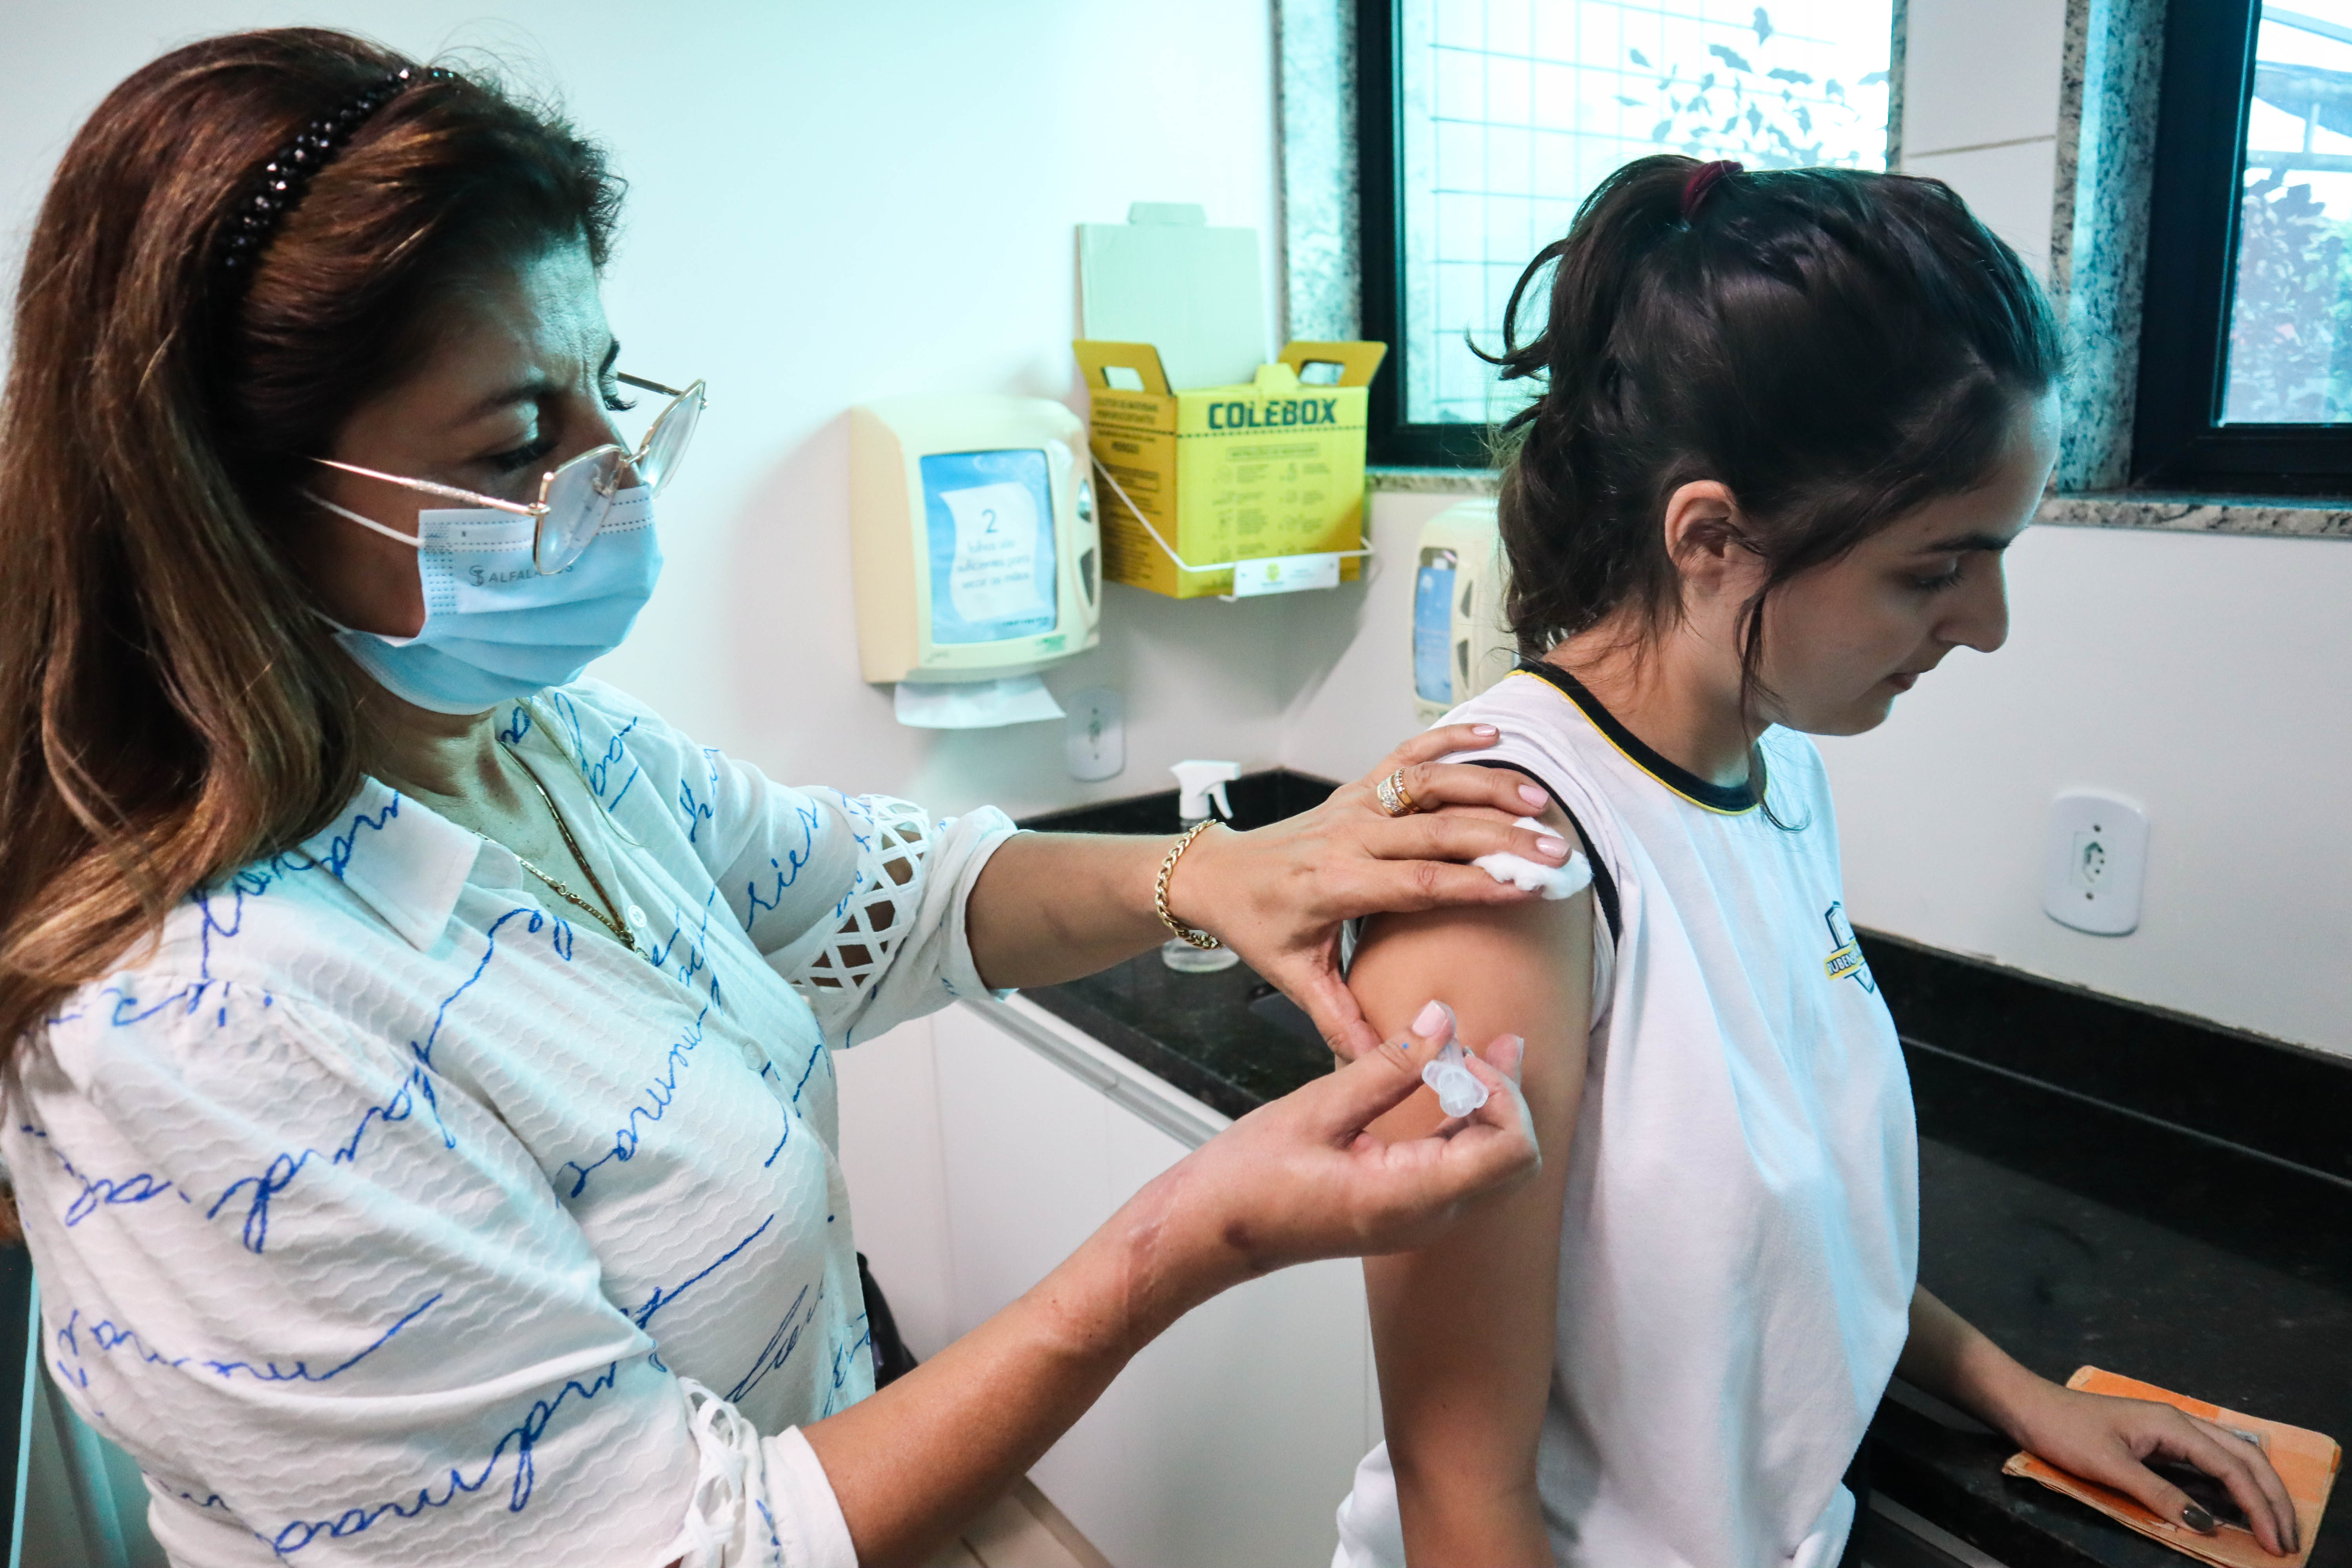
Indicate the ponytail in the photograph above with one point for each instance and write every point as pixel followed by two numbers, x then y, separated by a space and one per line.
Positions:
pixel 1837 348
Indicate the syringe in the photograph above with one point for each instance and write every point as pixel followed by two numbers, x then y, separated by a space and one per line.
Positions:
pixel 1459 1092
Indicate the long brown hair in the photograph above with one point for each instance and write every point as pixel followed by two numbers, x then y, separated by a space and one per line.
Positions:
pixel 169 706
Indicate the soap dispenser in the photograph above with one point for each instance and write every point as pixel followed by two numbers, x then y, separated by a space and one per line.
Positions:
pixel 1199 783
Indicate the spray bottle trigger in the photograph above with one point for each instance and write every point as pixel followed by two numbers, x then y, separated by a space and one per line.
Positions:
pixel 1200 782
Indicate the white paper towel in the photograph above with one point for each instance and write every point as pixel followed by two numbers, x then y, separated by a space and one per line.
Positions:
pixel 974 704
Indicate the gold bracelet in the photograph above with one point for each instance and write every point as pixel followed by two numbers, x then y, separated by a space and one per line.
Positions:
pixel 1199 939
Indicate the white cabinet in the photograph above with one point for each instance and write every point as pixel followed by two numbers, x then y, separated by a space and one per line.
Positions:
pixel 1232 1439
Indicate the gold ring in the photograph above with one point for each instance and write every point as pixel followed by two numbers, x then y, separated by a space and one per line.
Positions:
pixel 1395 800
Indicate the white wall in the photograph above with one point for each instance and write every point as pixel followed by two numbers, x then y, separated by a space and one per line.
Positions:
pixel 1352 714
pixel 830 203
pixel 2197 675
pixel 1980 109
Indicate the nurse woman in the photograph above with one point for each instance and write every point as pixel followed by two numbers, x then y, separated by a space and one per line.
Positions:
pixel 1784 424
pixel 418 1089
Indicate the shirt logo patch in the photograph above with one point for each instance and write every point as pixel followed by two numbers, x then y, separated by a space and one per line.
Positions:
pixel 1845 959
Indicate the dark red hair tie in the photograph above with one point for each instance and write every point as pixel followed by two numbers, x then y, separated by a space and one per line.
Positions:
pixel 1704 179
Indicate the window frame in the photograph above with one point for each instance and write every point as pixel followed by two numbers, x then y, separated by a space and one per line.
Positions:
pixel 1389 440
pixel 2178 441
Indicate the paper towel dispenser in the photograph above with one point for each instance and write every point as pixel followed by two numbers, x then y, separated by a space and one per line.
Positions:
pixel 1460 643
pixel 975 549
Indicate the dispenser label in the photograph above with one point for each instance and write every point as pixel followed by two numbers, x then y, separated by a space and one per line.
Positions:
pixel 1285 574
pixel 990 516
pixel 994 575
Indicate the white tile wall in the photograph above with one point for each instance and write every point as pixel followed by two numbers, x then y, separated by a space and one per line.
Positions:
pixel 2010 189
pixel 1980 72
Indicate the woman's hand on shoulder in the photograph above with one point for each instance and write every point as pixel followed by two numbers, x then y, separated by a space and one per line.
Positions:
pixel 1524 959
pixel 1279 895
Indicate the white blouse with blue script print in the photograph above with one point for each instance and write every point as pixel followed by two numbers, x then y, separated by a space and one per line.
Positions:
pixel 387 1210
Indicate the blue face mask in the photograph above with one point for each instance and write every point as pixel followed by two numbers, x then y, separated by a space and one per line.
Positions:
pixel 494 629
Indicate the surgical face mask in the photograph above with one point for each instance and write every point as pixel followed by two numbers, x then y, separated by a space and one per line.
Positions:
pixel 495 627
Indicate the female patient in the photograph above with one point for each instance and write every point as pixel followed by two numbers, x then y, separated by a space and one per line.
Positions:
pixel 1788 421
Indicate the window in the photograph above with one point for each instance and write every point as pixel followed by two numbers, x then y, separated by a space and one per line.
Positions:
pixel 2246 354
pixel 1487 122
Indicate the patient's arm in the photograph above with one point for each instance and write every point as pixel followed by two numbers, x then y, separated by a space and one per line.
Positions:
pixel 1463 1331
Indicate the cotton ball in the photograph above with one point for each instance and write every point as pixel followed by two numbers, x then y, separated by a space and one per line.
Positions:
pixel 1533 877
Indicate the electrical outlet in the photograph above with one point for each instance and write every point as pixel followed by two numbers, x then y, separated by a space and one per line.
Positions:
pixel 2095 862
pixel 1093 733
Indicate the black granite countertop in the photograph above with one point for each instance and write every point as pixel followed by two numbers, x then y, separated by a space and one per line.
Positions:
pixel 2100 1183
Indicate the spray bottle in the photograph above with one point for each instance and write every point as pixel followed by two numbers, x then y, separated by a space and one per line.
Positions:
pixel 1198 784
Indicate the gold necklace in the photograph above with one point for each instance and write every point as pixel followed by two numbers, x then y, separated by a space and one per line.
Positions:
pixel 610 920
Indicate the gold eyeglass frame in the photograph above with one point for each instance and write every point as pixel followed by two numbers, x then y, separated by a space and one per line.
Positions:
pixel 611 453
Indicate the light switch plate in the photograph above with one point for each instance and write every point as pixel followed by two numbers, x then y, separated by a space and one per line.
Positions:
pixel 2094 863
pixel 1094 734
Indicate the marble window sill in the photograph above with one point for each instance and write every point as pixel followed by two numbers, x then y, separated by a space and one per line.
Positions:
pixel 1433 481
pixel 2307 517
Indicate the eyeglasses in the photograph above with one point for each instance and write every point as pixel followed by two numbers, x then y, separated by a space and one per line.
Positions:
pixel 575 499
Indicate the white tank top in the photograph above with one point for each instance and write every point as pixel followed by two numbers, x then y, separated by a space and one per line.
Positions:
pixel 1740 1238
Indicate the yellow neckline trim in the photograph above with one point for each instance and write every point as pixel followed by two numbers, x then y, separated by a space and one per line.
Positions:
pixel 1646 770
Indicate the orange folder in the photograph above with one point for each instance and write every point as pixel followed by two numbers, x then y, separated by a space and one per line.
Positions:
pixel 2306 1461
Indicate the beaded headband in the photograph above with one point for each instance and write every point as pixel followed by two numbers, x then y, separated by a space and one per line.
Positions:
pixel 1704 178
pixel 274 192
